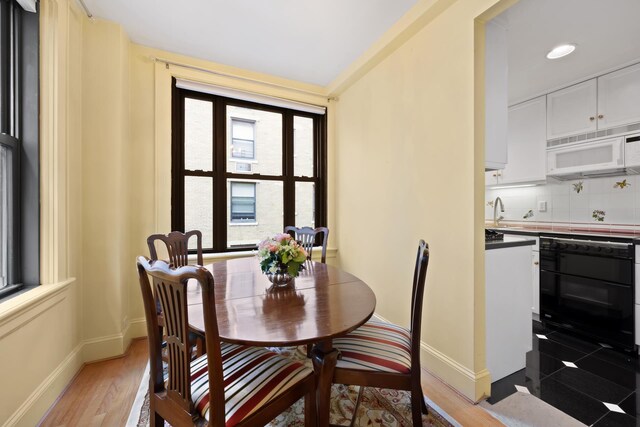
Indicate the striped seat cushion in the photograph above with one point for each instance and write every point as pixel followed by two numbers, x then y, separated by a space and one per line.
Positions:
pixel 376 346
pixel 252 376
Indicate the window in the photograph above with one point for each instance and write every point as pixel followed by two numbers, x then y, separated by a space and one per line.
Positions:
pixel 19 225
pixel 243 202
pixel 241 171
pixel 242 139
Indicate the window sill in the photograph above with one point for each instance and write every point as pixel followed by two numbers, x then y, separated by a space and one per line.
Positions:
pixel 242 224
pixel 28 298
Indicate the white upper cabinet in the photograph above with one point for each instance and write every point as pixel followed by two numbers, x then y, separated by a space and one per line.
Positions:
pixel 609 101
pixel 572 110
pixel 496 101
pixel 619 97
pixel 526 139
pixel 527 142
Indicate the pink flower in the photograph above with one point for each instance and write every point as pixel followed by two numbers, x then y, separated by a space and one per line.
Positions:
pixel 282 237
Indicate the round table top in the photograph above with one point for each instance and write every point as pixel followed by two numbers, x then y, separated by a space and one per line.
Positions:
pixel 323 302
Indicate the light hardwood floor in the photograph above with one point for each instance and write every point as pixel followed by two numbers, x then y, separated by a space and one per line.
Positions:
pixel 102 394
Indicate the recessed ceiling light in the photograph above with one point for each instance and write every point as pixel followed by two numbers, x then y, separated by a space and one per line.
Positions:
pixel 560 51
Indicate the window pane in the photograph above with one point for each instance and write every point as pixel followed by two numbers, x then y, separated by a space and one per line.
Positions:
pixel 198 134
pixel 260 199
pixel 198 208
pixel 243 202
pixel 242 139
pixel 6 171
pixel 254 141
pixel 305 204
pixel 302 146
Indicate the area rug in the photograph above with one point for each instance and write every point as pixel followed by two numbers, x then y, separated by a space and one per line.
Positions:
pixel 378 407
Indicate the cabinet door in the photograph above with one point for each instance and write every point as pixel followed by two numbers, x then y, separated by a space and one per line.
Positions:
pixel 496 102
pixel 618 95
pixel 526 141
pixel 572 110
pixel 492 177
pixel 535 269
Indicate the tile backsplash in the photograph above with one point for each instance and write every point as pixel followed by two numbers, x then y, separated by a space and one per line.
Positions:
pixel 598 201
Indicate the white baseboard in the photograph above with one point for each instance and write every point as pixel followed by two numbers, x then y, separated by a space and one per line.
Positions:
pixel 113 345
pixel 135 329
pixel 32 409
pixel 472 385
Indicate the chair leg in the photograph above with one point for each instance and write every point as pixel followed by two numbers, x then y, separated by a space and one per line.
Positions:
pixel 417 403
pixel 309 348
pixel 425 410
pixel 200 346
pixel 310 414
pixel 155 420
pixel 355 409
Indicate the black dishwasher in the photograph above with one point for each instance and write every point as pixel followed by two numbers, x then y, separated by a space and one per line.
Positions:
pixel 587 286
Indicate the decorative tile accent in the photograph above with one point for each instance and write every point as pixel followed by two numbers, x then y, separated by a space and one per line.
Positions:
pixel 578 187
pixel 542 337
pixel 522 389
pixel 569 364
pixel 612 407
pixel 598 215
pixel 621 184
pixel 529 214
pixel 490 203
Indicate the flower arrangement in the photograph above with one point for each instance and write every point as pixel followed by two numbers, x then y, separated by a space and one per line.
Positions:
pixel 281 254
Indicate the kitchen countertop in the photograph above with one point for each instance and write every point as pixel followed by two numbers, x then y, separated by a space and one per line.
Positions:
pixel 508 242
pixel 569 232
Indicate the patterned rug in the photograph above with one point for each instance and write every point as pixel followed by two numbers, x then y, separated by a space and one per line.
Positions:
pixel 378 407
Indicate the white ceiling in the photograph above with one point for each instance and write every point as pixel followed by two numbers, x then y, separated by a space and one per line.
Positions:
pixel 606 32
pixel 304 40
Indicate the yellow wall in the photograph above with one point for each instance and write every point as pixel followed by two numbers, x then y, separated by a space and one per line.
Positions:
pixel 408 168
pixel 406 160
pixel 40 333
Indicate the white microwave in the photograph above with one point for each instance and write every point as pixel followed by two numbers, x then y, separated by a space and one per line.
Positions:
pixel 600 157
pixel 632 153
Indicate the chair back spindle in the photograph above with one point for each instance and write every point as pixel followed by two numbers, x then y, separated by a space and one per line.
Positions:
pixel 307 238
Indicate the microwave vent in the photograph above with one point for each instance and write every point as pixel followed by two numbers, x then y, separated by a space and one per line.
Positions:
pixel 592 135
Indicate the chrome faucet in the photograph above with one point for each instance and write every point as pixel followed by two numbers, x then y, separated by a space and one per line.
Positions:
pixel 496 218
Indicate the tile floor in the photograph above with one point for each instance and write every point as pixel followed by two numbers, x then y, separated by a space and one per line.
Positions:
pixel 588 381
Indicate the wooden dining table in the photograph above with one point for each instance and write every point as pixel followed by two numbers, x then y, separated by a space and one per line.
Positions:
pixel 322 303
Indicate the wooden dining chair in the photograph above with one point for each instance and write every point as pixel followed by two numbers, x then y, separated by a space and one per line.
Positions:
pixel 307 238
pixel 384 355
pixel 229 385
pixel 177 246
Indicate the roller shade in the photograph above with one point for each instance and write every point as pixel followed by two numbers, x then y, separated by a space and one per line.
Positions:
pixel 249 96
pixel 28 5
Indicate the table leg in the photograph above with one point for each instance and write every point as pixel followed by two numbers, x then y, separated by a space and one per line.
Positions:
pixel 324 358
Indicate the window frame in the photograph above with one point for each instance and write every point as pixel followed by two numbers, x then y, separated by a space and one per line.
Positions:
pixel 221 176
pixel 19 130
pixel 253 141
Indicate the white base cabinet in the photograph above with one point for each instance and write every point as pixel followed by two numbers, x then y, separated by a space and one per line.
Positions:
pixel 508 309
pixel 637 297
pixel 535 280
